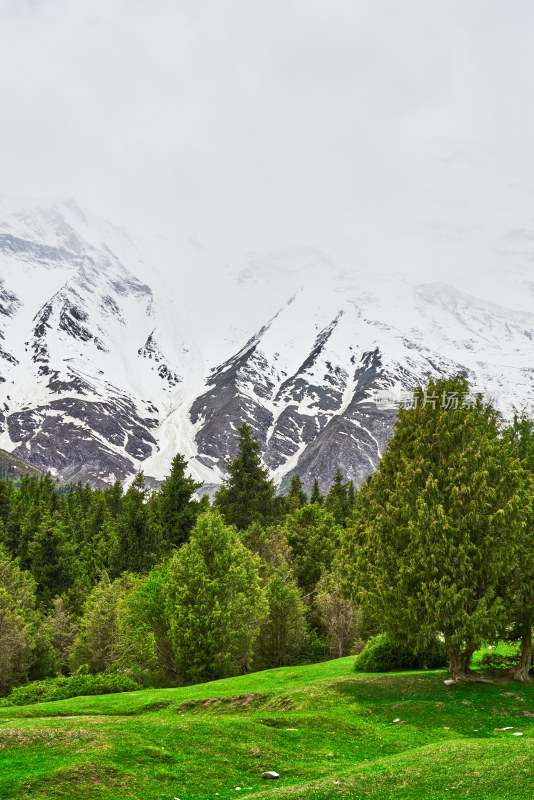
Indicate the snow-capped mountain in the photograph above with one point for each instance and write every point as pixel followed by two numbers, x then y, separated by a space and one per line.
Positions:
pixel 103 372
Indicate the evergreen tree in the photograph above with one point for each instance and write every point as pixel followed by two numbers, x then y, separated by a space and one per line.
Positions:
pixel 27 530
pixel 63 629
pixel 435 529
pixel 313 536
pixel 52 559
pixel 214 602
pixel 6 494
pixel 247 494
pixel 296 497
pixel 316 496
pixel 99 537
pixel 114 498
pixel 146 633
pixel 176 507
pixel 99 642
pixel 519 590
pixel 137 545
pixel 283 633
pixel 337 500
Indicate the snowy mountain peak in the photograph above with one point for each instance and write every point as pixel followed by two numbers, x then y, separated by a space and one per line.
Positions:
pixel 103 372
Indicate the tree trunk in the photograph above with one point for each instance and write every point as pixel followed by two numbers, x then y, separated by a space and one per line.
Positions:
pixel 459 663
pixel 521 672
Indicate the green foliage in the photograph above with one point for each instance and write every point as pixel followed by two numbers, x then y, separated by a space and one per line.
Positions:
pixel 284 632
pixel 63 687
pixel 146 633
pixel 62 628
pixel 340 498
pixel 247 494
pixel 381 654
pixel 518 590
pixel 214 602
pixel 435 531
pixel 316 496
pixel 313 537
pixel 99 643
pixel 52 558
pixel 341 619
pixel 175 505
pixel 296 497
pixel 137 544
pixel 14 644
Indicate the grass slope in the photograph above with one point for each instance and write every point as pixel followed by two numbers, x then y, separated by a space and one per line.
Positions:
pixel 328 731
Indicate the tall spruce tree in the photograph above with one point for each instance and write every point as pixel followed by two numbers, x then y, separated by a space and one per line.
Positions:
pixel 337 500
pixel 247 494
pixel 436 529
pixel 296 497
pixel 316 496
pixel 175 505
pixel 52 558
pixel 137 544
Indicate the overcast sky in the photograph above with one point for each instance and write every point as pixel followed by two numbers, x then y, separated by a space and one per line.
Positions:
pixel 387 132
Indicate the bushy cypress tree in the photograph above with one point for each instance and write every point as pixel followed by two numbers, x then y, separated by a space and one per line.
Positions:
pixel 519 589
pixel 247 494
pixel 435 531
pixel 214 603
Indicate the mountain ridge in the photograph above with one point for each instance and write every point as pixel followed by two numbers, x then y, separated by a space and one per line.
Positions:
pixel 102 376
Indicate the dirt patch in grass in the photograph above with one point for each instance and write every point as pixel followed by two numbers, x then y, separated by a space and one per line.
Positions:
pixel 242 701
pixel 46 737
pixel 157 706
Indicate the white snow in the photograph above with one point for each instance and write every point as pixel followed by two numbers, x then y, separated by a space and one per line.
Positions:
pixel 285 304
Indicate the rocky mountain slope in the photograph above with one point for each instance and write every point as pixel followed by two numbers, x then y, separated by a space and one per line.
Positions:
pixel 103 374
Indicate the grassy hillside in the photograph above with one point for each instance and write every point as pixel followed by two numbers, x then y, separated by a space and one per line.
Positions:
pixel 329 732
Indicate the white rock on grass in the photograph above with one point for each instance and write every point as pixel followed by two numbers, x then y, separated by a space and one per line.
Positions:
pixel 449 682
pixel 270 775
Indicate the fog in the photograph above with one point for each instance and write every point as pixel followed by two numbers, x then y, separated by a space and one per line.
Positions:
pixel 388 135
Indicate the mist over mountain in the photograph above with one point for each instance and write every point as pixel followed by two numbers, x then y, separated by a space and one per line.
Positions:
pixel 104 372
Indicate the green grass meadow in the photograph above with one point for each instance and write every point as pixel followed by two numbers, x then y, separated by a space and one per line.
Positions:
pixel 328 731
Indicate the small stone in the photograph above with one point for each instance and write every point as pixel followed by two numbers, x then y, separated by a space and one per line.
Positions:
pixel 270 775
pixel 517 734
pixel 510 728
pixel 449 682
pixel 396 720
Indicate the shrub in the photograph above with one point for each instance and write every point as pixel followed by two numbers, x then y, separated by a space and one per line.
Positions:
pixel 62 688
pixel 499 661
pixel 380 654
